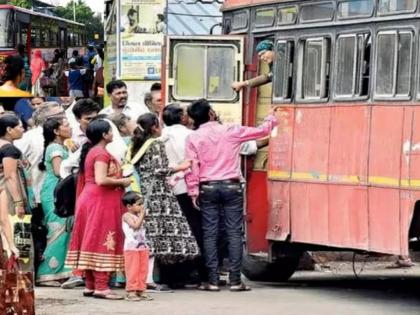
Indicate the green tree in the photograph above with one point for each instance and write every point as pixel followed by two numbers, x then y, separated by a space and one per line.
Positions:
pixel 85 15
pixel 19 3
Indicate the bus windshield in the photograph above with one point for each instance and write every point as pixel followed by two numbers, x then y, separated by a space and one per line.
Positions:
pixel 6 38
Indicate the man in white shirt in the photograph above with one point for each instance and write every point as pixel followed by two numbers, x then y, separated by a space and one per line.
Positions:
pixel 174 135
pixel 117 92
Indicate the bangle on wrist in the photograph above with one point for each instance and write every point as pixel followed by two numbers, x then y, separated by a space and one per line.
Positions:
pixel 18 201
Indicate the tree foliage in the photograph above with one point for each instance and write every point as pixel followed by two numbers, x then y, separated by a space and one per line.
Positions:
pixel 85 15
pixel 19 3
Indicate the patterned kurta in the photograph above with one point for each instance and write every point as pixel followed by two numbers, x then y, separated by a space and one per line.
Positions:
pixel 168 233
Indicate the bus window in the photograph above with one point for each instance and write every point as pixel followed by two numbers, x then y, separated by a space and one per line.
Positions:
pixel 283 71
pixel 396 6
pixel 313 69
pixel 204 71
pixel 352 66
pixel 264 17
pixel 355 8
pixel 6 31
pixel 323 11
pixel 287 15
pixel 393 64
pixel 240 20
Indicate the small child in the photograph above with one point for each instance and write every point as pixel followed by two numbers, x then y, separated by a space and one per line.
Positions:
pixel 136 252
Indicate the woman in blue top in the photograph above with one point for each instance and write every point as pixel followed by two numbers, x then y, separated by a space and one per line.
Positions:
pixel 51 270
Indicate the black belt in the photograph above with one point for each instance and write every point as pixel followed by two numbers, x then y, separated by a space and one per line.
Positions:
pixel 224 181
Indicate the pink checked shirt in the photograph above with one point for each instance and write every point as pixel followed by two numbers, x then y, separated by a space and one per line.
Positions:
pixel 214 151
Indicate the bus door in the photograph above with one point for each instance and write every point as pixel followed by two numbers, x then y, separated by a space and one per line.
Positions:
pixel 204 67
pixel 256 165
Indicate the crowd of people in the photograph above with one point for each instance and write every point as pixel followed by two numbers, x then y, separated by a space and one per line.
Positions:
pixel 157 189
pixel 77 76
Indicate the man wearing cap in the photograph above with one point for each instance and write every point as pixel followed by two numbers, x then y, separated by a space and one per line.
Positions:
pixel 266 54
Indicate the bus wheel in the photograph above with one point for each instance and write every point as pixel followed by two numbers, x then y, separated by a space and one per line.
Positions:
pixel 257 269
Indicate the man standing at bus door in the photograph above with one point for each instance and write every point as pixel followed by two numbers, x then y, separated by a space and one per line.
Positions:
pixel 266 54
pixel 215 180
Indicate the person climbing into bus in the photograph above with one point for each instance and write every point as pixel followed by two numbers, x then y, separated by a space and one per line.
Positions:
pixel 265 54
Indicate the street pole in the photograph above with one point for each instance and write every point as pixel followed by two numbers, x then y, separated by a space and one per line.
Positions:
pixel 74 10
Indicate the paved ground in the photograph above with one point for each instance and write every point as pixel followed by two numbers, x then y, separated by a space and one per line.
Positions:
pixel 378 291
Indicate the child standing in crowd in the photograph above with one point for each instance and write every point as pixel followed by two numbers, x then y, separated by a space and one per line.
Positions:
pixel 75 76
pixel 136 252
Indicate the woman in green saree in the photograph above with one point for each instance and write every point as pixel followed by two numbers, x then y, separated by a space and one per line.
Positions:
pixel 51 271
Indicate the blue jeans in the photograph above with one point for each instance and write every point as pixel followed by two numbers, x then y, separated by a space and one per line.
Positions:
pixel 222 200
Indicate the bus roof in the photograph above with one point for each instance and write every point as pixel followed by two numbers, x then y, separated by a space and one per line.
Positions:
pixel 235 4
pixel 7 6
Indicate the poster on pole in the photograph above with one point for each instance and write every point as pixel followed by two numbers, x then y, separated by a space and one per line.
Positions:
pixel 143 24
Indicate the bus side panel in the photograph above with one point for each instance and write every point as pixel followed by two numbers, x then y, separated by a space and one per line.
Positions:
pixel 385 170
pixel 348 156
pixel 348 216
pixel 309 218
pixel 279 215
pixel 309 202
pixel 384 220
pixel 406 197
pixel 280 168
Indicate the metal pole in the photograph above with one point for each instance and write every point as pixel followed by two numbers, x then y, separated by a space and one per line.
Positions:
pixel 74 10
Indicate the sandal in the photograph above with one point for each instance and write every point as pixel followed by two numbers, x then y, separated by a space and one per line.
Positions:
pixel 143 296
pixel 88 293
pixel 208 287
pixel 240 287
pixel 108 295
pixel 132 296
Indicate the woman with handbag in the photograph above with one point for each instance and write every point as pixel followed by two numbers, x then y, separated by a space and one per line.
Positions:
pixel 96 244
pixel 51 270
pixel 14 196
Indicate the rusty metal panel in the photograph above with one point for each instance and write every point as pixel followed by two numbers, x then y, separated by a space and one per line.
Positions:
pixel 309 216
pixel 311 144
pixel 411 150
pixel 278 228
pixel 384 220
pixel 348 216
pixel 349 145
pixel 386 145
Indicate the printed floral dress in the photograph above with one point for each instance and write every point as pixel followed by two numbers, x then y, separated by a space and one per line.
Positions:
pixel 168 234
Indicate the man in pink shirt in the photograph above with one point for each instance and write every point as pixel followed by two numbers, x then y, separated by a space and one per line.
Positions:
pixel 215 181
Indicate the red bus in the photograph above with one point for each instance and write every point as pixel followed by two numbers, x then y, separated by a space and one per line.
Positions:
pixel 343 173
pixel 38 30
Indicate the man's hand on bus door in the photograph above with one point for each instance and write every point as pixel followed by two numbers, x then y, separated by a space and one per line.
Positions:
pixel 238 85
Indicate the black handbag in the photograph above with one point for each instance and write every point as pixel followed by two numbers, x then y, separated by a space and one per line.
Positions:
pixel 65 196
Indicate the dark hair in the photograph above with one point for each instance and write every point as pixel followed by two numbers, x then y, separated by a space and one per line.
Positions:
pixel 49 127
pixel 13 67
pixel 100 52
pixel 143 131
pixel 131 197
pixel 95 133
pixel 21 49
pixel 148 100
pixel 199 111
pixel 115 84
pixel 155 87
pixel 75 53
pixel 85 106
pixel 119 120
pixel 57 55
pixel 7 121
pixel 172 114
